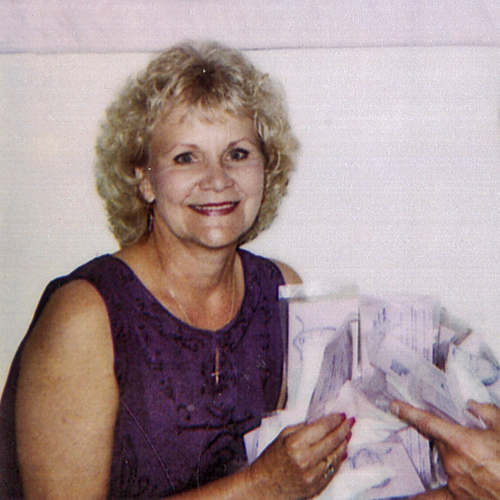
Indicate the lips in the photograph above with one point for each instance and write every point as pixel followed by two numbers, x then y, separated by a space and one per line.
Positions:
pixel 215 209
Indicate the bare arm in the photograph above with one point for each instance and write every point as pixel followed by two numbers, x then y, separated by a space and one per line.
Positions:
pixel 67 399
pixel 471 457
pixel 290 276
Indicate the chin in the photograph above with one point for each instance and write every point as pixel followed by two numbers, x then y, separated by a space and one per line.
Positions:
pixel 224 240
pixel 220 244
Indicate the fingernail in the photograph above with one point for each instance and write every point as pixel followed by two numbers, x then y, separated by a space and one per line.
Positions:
pixel 394 409
pixel 343 416
pixel 351 421
pixel 345 456
pixel 349 436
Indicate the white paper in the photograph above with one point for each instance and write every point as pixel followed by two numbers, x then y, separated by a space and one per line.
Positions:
pixel 312 326
pixel 355 356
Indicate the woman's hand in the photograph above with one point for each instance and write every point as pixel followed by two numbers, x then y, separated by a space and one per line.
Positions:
pixel 303 459
pixel 471 457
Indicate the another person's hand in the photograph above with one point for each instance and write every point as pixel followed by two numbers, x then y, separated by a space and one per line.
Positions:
pixel 471 457
pixel 303 458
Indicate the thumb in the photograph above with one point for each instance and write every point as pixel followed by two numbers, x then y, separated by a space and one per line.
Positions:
pixel 291 429
pixel 488 412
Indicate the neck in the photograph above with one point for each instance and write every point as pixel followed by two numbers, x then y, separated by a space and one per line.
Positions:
pixel 202 285
pixel 194 266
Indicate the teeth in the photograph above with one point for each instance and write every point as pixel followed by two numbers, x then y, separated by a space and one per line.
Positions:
pixel 215 205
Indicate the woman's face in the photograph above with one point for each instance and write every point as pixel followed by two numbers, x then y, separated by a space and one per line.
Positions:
pixel 205 175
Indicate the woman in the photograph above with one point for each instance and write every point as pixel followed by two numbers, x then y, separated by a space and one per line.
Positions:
pixel 143 370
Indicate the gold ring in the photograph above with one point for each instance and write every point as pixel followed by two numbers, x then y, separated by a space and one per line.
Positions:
pixel 330 469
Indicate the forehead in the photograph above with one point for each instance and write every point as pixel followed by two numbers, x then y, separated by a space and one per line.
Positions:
pixel 213 114
pixel 183 121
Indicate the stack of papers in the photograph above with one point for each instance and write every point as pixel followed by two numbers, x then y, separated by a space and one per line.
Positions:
pixel 355 355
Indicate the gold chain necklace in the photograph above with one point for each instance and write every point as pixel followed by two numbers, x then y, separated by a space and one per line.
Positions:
pixel 217 372
pixel 184 313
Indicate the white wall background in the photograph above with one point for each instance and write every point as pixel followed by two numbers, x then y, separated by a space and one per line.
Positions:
pixel 397 186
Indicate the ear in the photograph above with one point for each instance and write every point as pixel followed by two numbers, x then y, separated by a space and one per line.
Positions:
pixel 142 174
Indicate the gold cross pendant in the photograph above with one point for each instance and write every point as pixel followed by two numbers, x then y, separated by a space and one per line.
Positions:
pixel 217 372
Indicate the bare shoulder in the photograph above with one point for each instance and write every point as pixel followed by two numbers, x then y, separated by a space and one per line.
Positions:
pixel 75 314
pixel 76 297
pixel 291 277
pixel 71 341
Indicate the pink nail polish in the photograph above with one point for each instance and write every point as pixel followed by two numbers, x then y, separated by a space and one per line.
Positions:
pixel 348 437
pixel 351 422
pixel 345 456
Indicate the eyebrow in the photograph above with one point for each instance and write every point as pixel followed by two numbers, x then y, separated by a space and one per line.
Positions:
pixel 188 145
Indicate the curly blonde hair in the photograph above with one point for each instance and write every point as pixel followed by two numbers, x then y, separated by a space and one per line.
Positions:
pixel 211 76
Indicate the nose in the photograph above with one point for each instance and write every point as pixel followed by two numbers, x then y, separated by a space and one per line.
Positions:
pixel 216 177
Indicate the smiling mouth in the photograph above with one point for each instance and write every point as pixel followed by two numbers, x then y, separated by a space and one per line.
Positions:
pixel 211 209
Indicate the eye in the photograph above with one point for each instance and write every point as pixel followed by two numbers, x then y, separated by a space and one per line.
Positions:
pixel 184 159
pixel 238 154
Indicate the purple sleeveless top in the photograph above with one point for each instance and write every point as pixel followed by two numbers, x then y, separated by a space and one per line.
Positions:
pixel 179 425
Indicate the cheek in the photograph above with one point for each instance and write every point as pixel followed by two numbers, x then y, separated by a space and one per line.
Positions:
pixel 173 187
pixel 261 187
pixel 255 193
pixel 255 182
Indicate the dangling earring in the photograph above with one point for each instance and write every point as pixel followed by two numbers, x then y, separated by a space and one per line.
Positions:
pixel 151 218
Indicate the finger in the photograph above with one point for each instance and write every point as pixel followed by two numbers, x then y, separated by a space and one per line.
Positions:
pixel 462 486
pixel 487 412
pixel 315 431
pixel 329 465
pixel 333 441
pixel 338 455
pixel 426 423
